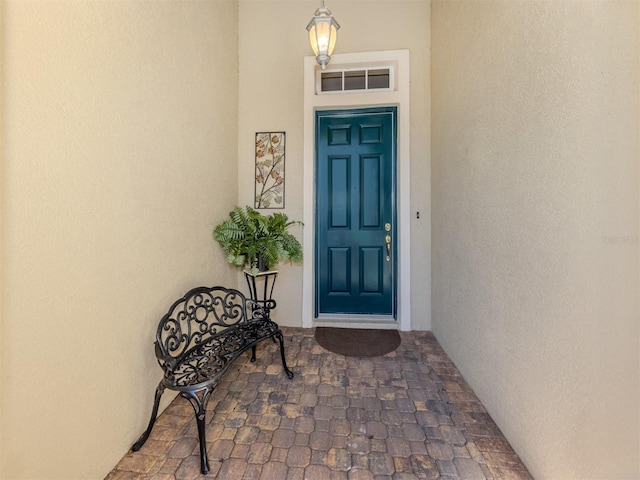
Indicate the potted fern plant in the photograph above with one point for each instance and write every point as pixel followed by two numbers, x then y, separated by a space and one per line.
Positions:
pixel 259 242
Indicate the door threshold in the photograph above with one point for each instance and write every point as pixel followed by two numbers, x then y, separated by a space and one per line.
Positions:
pixel 383 322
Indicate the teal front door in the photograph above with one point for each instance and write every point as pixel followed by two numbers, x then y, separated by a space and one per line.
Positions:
pixel 355 212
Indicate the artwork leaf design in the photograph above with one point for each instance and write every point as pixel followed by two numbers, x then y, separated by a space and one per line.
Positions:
pixel 269 180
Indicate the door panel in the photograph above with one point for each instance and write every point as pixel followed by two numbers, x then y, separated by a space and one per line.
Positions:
pixel 339 273
pixel 355 188
pixel 370 201
pixel 338 189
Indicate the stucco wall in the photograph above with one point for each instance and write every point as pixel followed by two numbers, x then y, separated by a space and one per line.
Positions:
pixel 273 43
pixel 535 223
pixel 119 156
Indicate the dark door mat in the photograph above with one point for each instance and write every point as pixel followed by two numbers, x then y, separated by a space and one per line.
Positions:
pixel 355 342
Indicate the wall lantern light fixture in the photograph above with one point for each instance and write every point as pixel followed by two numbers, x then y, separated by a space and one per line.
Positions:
pixel 323 30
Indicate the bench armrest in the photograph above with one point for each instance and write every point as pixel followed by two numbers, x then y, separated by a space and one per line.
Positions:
pixel 167 362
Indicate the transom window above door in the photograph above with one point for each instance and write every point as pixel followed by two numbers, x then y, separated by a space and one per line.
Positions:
pixel 354 80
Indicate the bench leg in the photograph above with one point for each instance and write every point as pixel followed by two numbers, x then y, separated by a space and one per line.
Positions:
pixel 200 408
pixel 284 360
pixel 253 353
pixel 154 414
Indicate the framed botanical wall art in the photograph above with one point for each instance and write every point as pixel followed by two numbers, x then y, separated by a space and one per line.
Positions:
pixel 270 150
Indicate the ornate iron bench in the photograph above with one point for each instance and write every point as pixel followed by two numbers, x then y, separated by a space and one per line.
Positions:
pixel 199 338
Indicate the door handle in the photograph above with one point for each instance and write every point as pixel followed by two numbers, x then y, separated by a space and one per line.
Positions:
pixel 387 240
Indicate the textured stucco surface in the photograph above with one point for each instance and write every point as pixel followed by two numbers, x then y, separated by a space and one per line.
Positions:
pixel 535 223
pixel 119 157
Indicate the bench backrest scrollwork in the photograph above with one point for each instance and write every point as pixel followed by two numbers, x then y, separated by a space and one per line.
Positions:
pixel 200 314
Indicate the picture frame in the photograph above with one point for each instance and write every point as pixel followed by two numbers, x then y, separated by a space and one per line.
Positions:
pixel 269 170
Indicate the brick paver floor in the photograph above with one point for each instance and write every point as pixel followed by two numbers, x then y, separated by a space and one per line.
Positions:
pixel 406 415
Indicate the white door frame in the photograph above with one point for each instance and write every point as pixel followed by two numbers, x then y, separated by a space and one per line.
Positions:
pixel 399 97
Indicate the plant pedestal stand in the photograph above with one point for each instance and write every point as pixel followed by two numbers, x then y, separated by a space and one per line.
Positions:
pixel 261 289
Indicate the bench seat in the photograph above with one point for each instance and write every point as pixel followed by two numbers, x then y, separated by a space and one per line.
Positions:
pixel 208 361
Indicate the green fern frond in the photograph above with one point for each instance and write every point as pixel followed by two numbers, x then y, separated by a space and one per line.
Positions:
pixel 247 233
